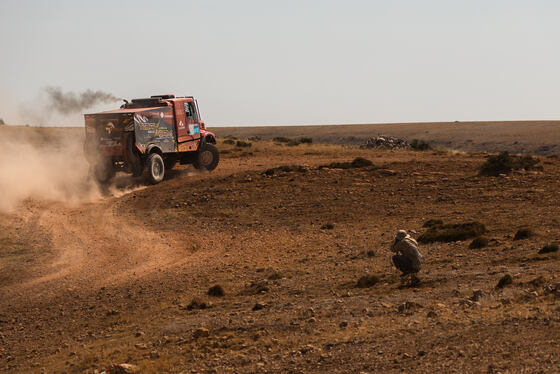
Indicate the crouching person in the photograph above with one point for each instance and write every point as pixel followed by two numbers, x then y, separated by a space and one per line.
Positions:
pixel 407 257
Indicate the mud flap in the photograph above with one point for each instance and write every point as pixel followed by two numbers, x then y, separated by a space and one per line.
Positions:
pixel 132 157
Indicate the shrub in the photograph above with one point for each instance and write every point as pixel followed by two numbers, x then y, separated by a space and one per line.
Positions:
pixel 358 162
pixel 503 163
pixel 550 248
pixel 506 280
pixel 216 291
pixel 432 223
pixel 241 143
pixel 420 145
pixel 452 232
pixel 258 306
pixel 2 122
pixel 255 138
pixel 230 137
pixel 523 233
pixel 337 165
pixel 275 275
pixel 285 169
pixel 306 140
pixel 197 303
pixel 367 281
pixel 526 162
pixel 281 139
pixel 229 141
pixel 479 242
pixel 256 288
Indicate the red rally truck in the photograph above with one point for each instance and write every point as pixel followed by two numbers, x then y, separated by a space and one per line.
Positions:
pixel 148 137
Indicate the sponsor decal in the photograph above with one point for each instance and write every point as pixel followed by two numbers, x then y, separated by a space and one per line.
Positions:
pixel 140 118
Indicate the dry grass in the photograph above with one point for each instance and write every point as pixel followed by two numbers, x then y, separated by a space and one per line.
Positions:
pixel 266 148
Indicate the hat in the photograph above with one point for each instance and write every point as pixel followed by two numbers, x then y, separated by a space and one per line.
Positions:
pixel 401 234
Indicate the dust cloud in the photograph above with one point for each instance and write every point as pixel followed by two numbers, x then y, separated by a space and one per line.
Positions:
pixel 56 172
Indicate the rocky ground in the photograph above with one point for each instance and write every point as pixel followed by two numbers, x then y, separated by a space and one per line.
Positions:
pixel 125 278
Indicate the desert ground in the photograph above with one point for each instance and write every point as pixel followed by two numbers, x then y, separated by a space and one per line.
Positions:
pixel 535 137
pixel 128 273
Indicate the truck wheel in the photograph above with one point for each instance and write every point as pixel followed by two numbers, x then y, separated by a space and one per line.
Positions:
pixel 104 171
pixel 207 157
pixel 154 169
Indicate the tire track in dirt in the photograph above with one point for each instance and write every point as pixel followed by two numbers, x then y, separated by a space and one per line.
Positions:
pixel 92 247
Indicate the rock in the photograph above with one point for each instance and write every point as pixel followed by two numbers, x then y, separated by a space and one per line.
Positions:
pixel 216 291
pixel 308 348
pixel 310 312
pixel 197 303
pixel 201 332
pixel 550 248
pixel 432 314
pixel 154 355
pixel 387 172
pixel 506 280
pixel 259 306
pixel 123 369
pixel 409 307
pixel 140 346
pixel 367 281
pixel 385 142
pixel 477 295
pixel 343 324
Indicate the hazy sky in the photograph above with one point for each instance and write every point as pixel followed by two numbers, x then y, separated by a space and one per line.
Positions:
pixel 291 62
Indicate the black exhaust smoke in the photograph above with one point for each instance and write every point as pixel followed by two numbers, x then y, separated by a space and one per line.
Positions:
pixel 70 102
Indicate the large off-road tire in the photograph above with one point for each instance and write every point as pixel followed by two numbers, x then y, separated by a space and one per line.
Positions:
pixel 154 169
pixel 207 157
pixel 103 171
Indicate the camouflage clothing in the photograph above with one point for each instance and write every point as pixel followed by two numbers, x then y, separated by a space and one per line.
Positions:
pixel 407 258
